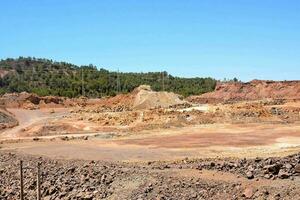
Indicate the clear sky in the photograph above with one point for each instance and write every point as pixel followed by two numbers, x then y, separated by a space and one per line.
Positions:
pixel 246 39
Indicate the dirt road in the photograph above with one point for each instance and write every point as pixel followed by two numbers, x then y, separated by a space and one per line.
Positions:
pixel 198 142
pixel 227 135
pixel 27 118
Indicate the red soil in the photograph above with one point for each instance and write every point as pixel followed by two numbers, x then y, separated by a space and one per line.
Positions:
pixel 254 90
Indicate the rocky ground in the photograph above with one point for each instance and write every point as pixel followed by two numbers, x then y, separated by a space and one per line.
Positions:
pixel 7 120
pixel 270 178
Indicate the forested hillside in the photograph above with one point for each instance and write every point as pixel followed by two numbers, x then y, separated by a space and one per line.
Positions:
pixel 46 77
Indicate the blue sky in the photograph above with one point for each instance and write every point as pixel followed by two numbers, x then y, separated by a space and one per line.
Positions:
pixel 246 39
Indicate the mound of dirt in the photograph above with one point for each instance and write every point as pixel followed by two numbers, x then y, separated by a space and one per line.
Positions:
pixel 50 129
pixel 7 120
pixel 254 90
pixel 121 102
pixel 145 98
pixel 142 97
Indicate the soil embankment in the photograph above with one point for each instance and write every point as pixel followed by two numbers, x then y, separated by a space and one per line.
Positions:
pixel 7 119
pixel 32 101
pixel 254 90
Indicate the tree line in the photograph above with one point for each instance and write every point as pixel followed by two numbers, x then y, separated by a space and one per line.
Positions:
pixel 46 77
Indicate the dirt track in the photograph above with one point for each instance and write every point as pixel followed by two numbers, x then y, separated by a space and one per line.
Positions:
pixel 200 141
pixel 28 118
pixel 226 135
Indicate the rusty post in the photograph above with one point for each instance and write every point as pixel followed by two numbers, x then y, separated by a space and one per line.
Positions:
pixel 21 181
pixel 38 182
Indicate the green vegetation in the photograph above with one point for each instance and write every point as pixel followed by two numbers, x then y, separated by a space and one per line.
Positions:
pixel 46 77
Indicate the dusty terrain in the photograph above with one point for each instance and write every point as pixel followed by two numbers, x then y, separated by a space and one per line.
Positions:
pixel 137 145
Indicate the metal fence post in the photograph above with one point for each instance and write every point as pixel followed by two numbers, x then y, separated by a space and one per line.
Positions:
pixel 21 181
pixel 38 182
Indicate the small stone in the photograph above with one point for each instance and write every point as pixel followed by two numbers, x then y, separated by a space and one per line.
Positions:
pixel 288 166
pixel 52 190
pixel 251 168
pixel 65 138
pixel 265 192
pixel 88 197
pixel 248 193
pixel 194 195
pixel 166 166
pixel 267 176
pixel 79 195
pixel 283 174
pixel 71 170
pixel 185 160
pixel 47 197
pixel 249 175
pixel 62 194
pixel 277 196
pixel 257 159
pixel 274 169
pixel 103 178
pixel 297 168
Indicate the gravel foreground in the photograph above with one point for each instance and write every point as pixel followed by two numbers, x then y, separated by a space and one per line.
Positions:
pixel 269 178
